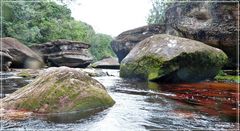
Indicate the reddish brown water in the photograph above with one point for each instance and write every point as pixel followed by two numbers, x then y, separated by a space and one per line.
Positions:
pixel 212 98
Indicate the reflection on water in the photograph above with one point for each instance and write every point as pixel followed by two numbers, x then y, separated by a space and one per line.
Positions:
pixel 210 98
pixel 145 106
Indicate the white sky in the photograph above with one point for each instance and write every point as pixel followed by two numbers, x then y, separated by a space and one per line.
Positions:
pixel 112 16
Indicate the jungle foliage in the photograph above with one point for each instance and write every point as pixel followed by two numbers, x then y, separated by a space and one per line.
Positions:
pixel 42 21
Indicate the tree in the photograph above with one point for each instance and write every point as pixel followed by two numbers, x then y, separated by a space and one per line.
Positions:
pixel 25 20
pixel 100 47
pixel 157 13
pixel 43 21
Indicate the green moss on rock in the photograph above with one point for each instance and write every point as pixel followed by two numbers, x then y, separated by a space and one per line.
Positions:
pixel 168 58
pixel 223 77
pixel 146 68
pixel 24 74
pixel 60 90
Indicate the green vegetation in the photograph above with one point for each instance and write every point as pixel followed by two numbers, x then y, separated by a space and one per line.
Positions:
pixel 227 78
pixel 146 68
pixel 24 74
pixel 40 22
pixel 157 13
pixel 101 46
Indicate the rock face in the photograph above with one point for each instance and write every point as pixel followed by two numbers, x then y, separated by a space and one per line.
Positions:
pixel 107 63
pixel 167 58
pixel 6 60
pixel 19 55
pixel 124 42
pixel 65 53
pixel 60 89
pixel 213 23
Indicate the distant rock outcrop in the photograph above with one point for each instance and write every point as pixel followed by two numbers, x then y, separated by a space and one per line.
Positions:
pixel 167 58
pixel 64 53
pixel 124 42
pixel 18 55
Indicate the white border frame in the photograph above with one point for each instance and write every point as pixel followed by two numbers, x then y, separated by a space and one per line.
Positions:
pixel 198 1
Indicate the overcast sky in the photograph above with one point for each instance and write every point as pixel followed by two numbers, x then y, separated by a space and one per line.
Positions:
pixel 112 16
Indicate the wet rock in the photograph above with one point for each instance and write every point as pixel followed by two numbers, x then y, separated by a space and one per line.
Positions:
pixel 64 53
pixel 124 42
pixel 107 63
pixel 167 58
pixel 13 115
pixel 6 60
pixel 213 23
pixel 60 89
pixel 92 72
pixel 19 55
pixel 27 73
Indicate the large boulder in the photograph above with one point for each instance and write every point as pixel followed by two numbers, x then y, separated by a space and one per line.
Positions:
pixel 124 42
pixel 167 58
pixel 59 89
pixel 106 63
pixel 19 54
pixel 64 53
pixel 213 23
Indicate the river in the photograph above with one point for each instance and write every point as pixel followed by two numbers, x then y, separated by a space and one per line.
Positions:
pixel 147 106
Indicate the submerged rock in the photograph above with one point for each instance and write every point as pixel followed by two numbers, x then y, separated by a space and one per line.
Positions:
pixel 107 63
pixel 27 73
pixel 213 23
pixel 60 89
pixel 19 55
pixel 92 72
pixel 65 53
pixel 124 42
pixel 169 58
pixel 17 78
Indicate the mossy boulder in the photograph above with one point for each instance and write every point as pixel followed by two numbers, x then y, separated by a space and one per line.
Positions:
pixel 167 58
pixel 60 89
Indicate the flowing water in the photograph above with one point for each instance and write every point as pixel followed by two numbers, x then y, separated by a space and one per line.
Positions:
pixel 147 106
